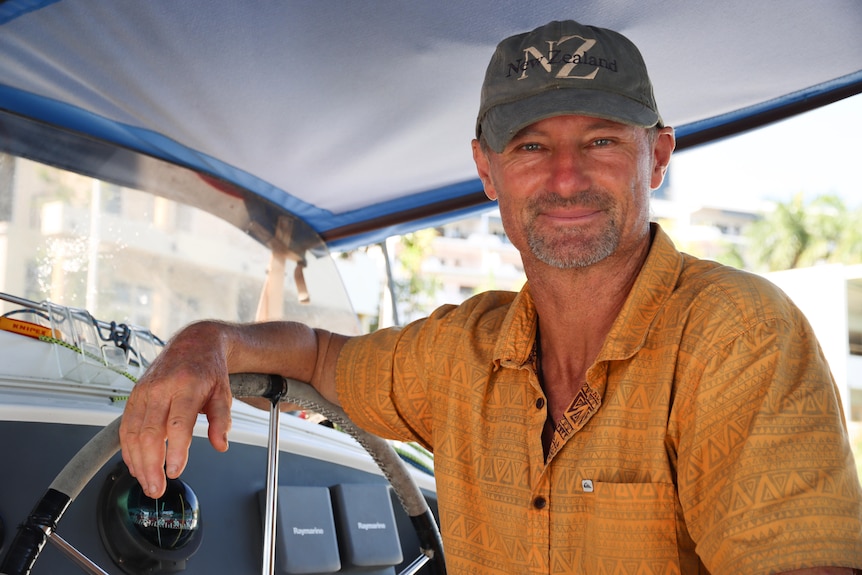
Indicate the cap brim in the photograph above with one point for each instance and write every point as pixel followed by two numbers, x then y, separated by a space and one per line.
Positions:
pixel 502 122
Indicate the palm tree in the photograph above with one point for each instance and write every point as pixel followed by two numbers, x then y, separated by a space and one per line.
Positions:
pixel 779 240
pixel 799 235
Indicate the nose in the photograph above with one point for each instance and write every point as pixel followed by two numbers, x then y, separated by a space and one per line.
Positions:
pixel 568 171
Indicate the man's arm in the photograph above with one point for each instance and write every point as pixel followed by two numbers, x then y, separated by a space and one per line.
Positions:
pixel 190 376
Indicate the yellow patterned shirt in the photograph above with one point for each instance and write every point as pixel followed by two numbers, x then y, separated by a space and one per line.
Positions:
pixel 709 437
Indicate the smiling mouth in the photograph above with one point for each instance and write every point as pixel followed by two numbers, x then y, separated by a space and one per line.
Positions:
pixel 572 214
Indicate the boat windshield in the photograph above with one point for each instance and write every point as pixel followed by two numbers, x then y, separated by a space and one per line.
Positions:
pixel 157 259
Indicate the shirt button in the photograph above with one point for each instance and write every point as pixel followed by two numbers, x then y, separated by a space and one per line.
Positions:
pixel 540 403
pixel 540 502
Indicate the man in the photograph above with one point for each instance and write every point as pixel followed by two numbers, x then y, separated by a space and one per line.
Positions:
pixel 632 410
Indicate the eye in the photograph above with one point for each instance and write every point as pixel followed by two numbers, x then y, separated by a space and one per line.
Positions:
pixel 531 147
pixel 602 142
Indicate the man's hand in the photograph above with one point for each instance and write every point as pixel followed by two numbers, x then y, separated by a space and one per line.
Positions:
pixel 190 376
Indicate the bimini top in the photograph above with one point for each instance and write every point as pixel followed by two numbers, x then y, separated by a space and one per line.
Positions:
pixel 357 116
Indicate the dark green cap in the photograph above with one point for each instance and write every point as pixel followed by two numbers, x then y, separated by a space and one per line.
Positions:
pixel 564 68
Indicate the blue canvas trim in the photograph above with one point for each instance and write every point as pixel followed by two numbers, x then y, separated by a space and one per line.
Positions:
pixel 783 101
pixel 380 234
pixel 406 203
pixel 11 9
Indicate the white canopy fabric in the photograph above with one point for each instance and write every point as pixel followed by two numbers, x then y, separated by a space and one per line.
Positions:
pixel 357 116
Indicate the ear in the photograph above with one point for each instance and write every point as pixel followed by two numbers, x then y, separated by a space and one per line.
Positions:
pixel 484 169
pixel 662 149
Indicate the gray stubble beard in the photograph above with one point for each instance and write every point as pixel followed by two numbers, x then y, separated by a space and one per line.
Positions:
pixel 571 248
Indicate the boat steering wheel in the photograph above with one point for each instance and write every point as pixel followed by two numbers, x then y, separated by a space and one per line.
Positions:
pixel 42 522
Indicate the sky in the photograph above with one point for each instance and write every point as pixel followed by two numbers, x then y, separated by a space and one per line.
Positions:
pixel 814 153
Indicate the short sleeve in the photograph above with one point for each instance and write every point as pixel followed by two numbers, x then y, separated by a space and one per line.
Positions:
pixel 369 369
pixel 767 479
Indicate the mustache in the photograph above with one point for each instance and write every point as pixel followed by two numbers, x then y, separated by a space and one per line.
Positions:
pixel 591 198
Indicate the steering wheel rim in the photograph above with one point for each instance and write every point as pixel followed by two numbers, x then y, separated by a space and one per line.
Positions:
pixel 42 521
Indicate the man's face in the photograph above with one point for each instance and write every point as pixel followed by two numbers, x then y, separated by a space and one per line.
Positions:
pixel 573 190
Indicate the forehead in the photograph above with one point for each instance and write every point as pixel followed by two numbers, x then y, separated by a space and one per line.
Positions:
pixel 573 123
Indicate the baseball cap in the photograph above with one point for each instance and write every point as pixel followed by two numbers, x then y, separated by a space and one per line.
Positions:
pixel 562 68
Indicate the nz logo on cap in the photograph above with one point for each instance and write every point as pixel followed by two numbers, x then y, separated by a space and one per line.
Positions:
pixel 565 59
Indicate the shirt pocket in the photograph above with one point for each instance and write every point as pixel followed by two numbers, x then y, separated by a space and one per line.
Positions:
pixel 631 528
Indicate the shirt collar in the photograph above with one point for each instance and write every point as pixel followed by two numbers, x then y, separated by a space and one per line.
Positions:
pixel 516 342
pixel 654 285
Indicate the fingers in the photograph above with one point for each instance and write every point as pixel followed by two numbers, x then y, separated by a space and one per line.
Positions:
pixel 218 416
pixel 142 437
pixel 157 429
pixel 178 428
pixel 129 438
pixel 189 377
